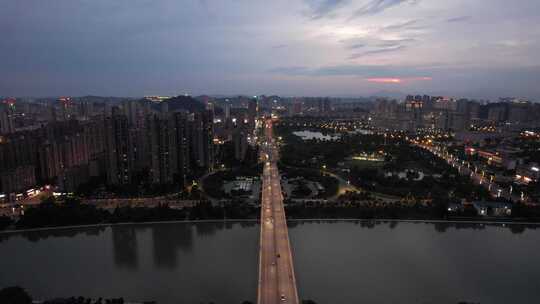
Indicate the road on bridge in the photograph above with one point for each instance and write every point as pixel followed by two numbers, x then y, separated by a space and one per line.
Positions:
pixel 277 283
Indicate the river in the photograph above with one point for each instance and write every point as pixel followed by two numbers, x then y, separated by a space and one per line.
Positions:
pixel 335 262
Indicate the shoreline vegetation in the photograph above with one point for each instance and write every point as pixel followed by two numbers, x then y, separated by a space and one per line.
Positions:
pixel 72 214
pixel 465 221
pixel 18 295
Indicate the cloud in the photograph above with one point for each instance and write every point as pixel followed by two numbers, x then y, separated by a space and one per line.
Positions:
pixel 323 8
pixel 394 42
pixel 377 6
pixel 401 25
pixel 378 51
pixel 293 70
pixel 376 44
pixel 63 53
pixel 357 46
pixel 365 71
pixel 459 19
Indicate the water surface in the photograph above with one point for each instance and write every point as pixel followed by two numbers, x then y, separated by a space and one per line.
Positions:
pixel 308 135
pixel 335 262
pixel 348 262
pixel 168 263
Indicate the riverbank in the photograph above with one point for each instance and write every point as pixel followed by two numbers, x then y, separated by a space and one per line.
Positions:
pixel 488 222
pixel 50 214
pixel 366 220
pixel 103 225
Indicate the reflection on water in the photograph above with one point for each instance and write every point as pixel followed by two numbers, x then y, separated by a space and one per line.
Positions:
pixel 167 263
pixel 441 227
pixel 35 236
pixel 125 246
pixel 167 242
pixel 126 234
pixel 336 262
pixel 415 262
pixel 208 230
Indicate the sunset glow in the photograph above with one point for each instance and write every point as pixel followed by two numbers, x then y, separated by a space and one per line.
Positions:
pixel 397 80
pixel 385 80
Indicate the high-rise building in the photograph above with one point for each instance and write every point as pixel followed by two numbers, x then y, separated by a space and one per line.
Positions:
pixel 497 112
pixel 18 179
pixel 162 148
pixel 474 110
pixel 131 110
pixel 66 108
pixel 240 143
pixel 415 108
pixel 297 108
pixel 519 112
pixel 227 111
pixel 51 113
pixel 327 106
pixel 202 144
pixel 252 111
pixel 119 170
pixel 182 146
pixel 7 115
pixel 50 161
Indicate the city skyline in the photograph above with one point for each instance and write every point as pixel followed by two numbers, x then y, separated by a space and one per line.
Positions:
pixel 264 152
pixel 481 49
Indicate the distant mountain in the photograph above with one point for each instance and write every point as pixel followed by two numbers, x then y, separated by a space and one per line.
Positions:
pixel 389 94
pixel 186 103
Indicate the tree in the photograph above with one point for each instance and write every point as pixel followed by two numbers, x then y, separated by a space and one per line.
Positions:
pixel 14 295
pixel 4 222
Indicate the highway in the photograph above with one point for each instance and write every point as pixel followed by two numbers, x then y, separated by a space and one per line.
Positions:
pixel 277 283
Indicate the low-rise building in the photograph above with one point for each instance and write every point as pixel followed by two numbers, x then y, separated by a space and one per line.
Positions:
pixel 527 173
pixel 493 208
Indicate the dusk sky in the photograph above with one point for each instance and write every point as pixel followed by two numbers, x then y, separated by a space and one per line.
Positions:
pixel 469 48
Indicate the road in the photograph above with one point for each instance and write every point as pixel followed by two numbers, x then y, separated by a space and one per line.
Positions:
pixel 477 176
pixel 277 283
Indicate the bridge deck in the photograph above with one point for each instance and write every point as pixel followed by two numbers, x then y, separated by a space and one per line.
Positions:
pixel 277 283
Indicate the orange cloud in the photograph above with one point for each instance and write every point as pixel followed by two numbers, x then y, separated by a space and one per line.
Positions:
pixel 384 80
pixel 397 80
pixel 419 78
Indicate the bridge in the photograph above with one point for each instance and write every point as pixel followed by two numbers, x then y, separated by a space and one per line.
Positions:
pixel 277 283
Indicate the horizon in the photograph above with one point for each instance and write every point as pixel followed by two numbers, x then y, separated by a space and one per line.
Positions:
pixel 299 48
pixel 398 96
